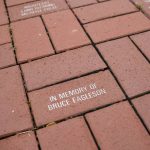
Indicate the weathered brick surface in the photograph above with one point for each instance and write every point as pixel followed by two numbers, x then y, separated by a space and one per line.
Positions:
pixel 142 41
pixel 7 56
pixel 36 8
pixel 65 31
pixel 4 34
pixel 142 104
pixel 117 27
pixel 31 40
pixel 98 11
pixel 24 141
pixel 69 135
pixel 14 111
pixel 3 14
pixel 128 64
pixel 72 102
pixel 16 2
pixel 118 128
pixel 78 3
pixel 60 67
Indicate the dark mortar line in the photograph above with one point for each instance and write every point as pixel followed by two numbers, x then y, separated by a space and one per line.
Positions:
pixel 48 34
pixel 139 49
pixel 122 36
pixel 60 120
pixel 138 116
pixel 49 55
pixel 111 17
pixel 22 77
pixel 92 134
pixel 112 73
pixel 8 66
pixel 5 43
pixel 100 54
pixel 140 95
pixel 68 79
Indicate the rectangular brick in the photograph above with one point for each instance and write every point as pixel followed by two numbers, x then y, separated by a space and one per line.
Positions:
pixel 143 5
pixel 118 128
pixel 60 67
pixel 16 2
pixel 74 97
pixel 14 111
pixel 142 105
pixel 117 27
pixel 64 39
pixel 3 14
pixel 79 3
pixel 26 141
pixel 36 8
pixel 7 57
pixel 33 42
pixel 128 64
pixel 75 131
pixel 4 34
pixel 142 41
pixel 104 10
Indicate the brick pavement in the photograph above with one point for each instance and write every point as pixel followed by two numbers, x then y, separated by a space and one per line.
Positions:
pixel 74 75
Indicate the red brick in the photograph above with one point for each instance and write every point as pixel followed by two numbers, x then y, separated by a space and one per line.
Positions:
pixel 117 27
pixel 64 39
pixel 78 3
pixel 14 112
pixel 4 33
pixel 3 14
pixel 128 64
pixel 144 5
pixel 142 41
pixel 16 2
pixel 60 67
pixel 24 141
pixel 36 8
pixel 7 57
pixel 33 41
pixel 142 104
pixel 118 128
pixel 75 131
pixel 108 89
pixel 104 10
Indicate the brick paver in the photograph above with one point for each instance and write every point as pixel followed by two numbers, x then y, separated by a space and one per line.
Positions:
pixel 128 64
pixel 74 74
pixel 144 5
pixel 36 8
pixel 72 134
pixel 74 97
pixel 142 104
pixel 7 56
pixel 97 11
pixel 14 112
pixel 3 14
pixel 65 38
pixel 31 40
pixel 117 27
pixel 118 128
pixel 4 34
pixel 142 41
pixel 79 3
pixel 63 66
pixel 24 141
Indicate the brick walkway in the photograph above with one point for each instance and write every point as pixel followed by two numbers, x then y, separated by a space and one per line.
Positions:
pixel 74 74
